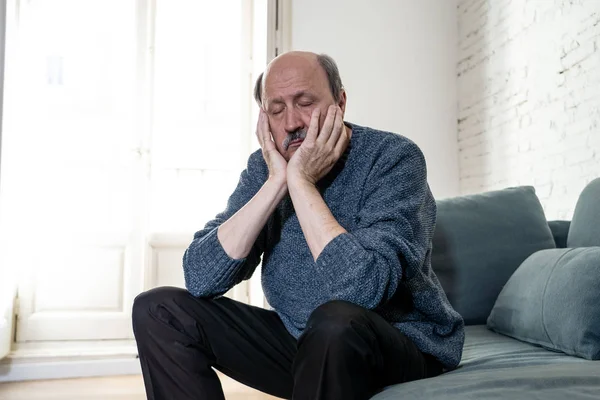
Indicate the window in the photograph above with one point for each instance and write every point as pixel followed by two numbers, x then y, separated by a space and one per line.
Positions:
pixel 123 119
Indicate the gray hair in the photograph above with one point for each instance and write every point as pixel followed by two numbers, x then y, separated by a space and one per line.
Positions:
pixel 331 70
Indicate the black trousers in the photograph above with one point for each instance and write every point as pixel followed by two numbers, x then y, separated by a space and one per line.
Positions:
pixel 345 352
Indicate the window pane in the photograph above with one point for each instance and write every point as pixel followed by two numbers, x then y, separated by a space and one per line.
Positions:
pixel 68 154
pixel 197 124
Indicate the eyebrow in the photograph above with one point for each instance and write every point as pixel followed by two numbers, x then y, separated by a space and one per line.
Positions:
pixel 297 95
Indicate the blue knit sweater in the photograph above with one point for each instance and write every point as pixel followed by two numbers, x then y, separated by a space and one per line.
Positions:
pixel 378 192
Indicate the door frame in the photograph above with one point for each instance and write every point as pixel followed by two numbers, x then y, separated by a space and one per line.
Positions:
pixel 7 291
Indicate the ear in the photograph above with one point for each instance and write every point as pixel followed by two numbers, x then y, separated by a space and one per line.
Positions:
pixel 342 102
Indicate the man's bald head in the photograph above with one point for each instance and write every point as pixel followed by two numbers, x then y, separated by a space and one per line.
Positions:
pixel 301 59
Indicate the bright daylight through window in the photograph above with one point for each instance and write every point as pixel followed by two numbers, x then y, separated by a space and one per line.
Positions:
pixel 124 120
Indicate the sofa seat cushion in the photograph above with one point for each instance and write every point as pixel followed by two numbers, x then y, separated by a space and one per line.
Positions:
pixel 494 366
pixel 553 300
pixel 480 240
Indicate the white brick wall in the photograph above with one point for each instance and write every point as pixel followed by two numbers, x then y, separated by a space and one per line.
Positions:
pixel 529 97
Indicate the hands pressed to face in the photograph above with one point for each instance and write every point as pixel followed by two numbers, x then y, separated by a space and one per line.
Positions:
pixel 275 161
pixel 316 154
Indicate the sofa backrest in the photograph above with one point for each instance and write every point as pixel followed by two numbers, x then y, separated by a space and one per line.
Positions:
pixel 585 226
pixel 560 231
pixel 480 240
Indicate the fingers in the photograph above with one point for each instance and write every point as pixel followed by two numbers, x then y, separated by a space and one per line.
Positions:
pixel 338 127
pixel 327 125
pixel 313 128
pixel 263 131
pixel 342 141
pixel 259 127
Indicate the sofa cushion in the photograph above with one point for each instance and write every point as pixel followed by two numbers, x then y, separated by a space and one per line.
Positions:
pixel 498 367
pixel 480 240
pixel 560 232
pixel 552 300
pixel 585 226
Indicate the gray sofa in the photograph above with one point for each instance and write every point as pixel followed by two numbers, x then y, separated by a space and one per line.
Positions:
pixel 529 291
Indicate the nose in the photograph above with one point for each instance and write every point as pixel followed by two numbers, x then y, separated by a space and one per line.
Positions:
pixel 293 120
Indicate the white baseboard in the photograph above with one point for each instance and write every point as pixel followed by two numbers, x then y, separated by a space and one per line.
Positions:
pixel 61 369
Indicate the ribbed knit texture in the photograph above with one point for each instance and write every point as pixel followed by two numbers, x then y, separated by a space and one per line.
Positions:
pixel 378 192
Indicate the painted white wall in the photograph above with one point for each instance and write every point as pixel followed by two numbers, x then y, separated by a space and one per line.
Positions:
pixel 397 59
pixel 529 98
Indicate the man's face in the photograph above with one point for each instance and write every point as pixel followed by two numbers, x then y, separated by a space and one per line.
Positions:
pixel 292 90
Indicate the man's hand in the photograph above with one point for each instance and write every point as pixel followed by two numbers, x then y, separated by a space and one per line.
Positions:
pixel 319 152
pixel 275 161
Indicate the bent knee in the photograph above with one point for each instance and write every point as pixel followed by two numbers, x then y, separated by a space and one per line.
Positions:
pixel 335 318
pixel 338 310
pixel 145 301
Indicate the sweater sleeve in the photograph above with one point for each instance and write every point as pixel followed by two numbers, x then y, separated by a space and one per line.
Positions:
pixel 393 235
pixel 208 270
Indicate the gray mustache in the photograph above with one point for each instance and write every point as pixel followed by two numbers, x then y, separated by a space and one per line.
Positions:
pixel 297 134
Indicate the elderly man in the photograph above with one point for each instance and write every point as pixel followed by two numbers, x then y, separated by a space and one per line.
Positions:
pixel 343 217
